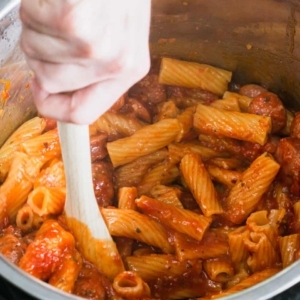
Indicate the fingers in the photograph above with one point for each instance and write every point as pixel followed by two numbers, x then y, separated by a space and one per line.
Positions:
pixel 58 78
pixel 48 48
pixel 46 15
pixel 81 107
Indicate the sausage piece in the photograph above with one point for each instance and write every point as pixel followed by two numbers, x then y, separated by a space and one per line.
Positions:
pixel 288 155
pixel 102 173
pixel 295 126
pixel 269 104
pixel 251 90
pixel 149 90
pixel 98 146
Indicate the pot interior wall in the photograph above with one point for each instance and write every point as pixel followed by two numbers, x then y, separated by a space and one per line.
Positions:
pixel 257 40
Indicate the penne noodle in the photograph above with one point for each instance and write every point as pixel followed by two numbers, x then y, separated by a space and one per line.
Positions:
pixel 218 269
pixel 46 146
pixel 143 142
pixel 248 282
pixel 262 252
pixel 200 184
pixel 65 276
pixel 131 224
pixel 185 120
pixel 166 194
pixel 19 182
pixel 289 119
pixel 149 267
pixel 289 245
pixel 163 173
pixel 194 75
pixel 132 173
pixel 212 245
pixel 238 251
pixel 243 101
pixel 167 110
pixel 230 163
pixel 178 150
pixel 47 201
pixel 296 208
pixel 130 285
pixel 116 125
pixel 226 177
pixel 181 220
pixel 241 126
pixel 27 131
pixel 246 193
pixel 230 104
pixel 24 218
pixel 126 198
pixel 52 176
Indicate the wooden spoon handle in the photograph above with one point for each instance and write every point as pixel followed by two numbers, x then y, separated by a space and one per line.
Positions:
pixel 83 215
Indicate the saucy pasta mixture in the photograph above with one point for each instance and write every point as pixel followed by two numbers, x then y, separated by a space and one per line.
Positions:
pixel 197 178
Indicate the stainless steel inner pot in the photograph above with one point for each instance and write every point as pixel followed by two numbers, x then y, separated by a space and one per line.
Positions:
pixel 257 40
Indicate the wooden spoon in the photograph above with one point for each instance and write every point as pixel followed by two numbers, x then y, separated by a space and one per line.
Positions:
pixel 83 216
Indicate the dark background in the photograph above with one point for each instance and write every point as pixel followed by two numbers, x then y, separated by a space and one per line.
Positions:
pixel 9 292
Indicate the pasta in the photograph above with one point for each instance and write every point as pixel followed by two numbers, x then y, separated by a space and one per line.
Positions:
pixel 214 121
pixel 193 171
pixel 194 75
pixel 198 194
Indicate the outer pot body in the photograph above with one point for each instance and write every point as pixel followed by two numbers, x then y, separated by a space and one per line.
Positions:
pixel 256 39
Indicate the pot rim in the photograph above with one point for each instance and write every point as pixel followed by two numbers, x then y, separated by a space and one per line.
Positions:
pixel 29 284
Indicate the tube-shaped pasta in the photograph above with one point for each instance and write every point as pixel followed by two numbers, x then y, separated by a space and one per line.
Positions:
pixel 152 266
pixel 247 192
pixel 65 276
pixel 163 173
pixel 167 194
pixel 19 182
pixel 230 104
pixel 260 222
pixel 238 251
pixel 131 174
pixel 243 101
pixel 116 125
pixel 143 142
pixel 24 219
pixel 200 184
pixel 194 75
pixel 167 110
pixel 262 252
pixel 237 125
pixel 178 150
pixel 131 224
pixel 288 246
pixel 248 282
pixel 46 146
pixel 126 197
pixel 27 131
pixel 130 285
pixel 226 177
pixel 296 207
pixel 211 246
pixel 52 176
pixel 185 120
pixel 46 201
pixel 181 220
pixel 218 269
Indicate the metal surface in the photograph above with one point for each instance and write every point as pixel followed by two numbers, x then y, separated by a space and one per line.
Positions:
pixel 256 39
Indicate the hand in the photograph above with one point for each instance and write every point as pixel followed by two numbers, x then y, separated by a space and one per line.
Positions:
pixel 84 53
